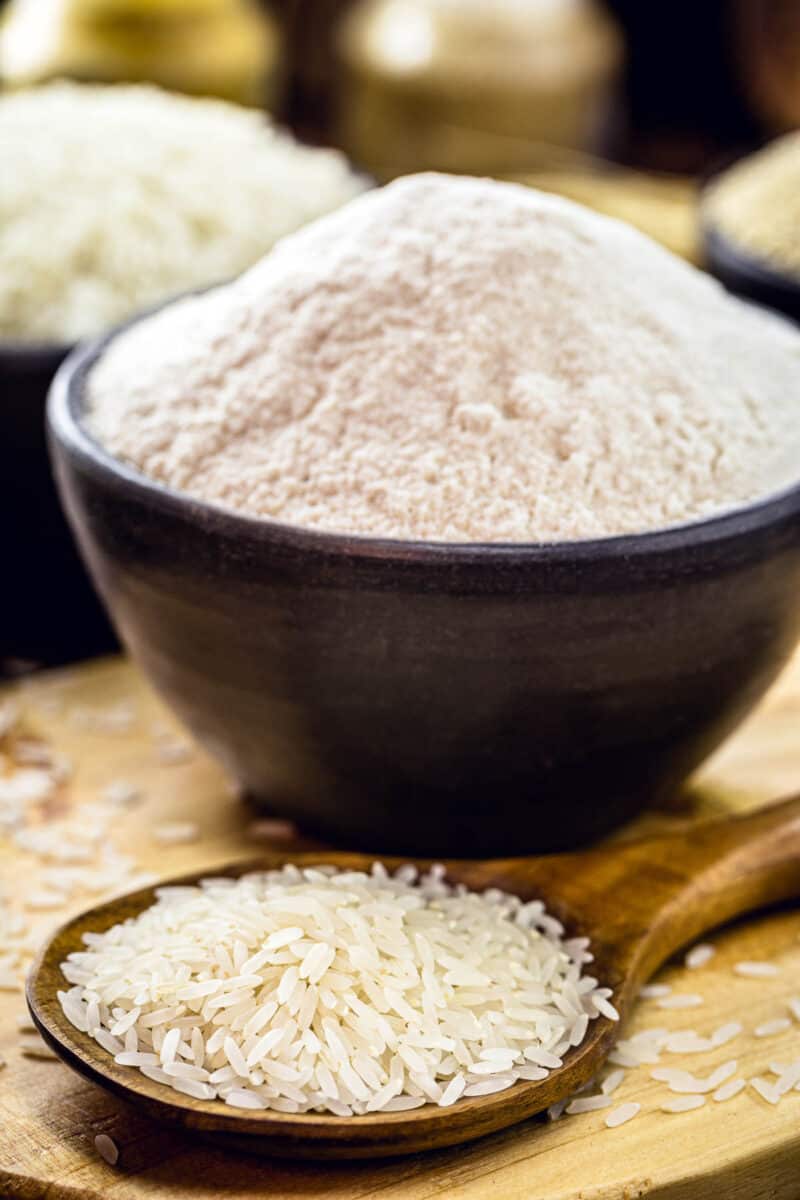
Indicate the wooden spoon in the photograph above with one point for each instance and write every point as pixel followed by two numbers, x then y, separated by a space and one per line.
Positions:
pixel 637 902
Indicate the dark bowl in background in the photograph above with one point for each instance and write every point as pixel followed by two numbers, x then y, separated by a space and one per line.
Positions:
pixel 49 611
pixel 747 277
pixel 430 698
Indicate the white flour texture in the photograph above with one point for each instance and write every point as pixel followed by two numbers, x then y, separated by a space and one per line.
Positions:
pixel 455 359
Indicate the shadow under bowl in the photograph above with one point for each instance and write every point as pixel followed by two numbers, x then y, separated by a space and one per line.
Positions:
pixel 50 612
pixel 430 698
pixel 745 276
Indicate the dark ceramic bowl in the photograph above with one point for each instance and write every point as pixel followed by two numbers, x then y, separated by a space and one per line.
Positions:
pixel 49 611
pixel 745 276
pixel 433 698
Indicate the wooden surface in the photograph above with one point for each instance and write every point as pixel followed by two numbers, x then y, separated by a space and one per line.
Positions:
pixel 744 1148
pixel 696 879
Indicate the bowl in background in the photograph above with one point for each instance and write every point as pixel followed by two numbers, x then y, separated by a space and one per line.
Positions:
pixel 50 612
pixel 429 698
pixel 747 277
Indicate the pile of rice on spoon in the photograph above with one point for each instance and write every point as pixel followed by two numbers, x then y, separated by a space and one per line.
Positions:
pixel 319 990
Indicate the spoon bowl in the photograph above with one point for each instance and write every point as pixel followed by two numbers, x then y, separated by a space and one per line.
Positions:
pixel 637 902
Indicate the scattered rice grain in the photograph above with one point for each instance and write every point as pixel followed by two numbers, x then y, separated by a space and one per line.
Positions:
pixel 729 1090
pixel 683 1104
pixel 771 1028
pixel 176 833
pixel 698 956
pixel 625 1112
pixel 756 970
pixel 107 1148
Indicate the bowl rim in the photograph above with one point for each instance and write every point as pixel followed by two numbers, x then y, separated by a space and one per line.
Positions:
pixel 722 251
pixel 67 429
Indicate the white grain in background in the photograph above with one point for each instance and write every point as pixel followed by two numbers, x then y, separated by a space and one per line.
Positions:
pixel 698 956
pixel 176 833
pixel 681 1000
pixel 652 991
pixel 756 970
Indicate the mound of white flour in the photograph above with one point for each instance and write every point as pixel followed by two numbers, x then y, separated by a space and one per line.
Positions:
pixel 460 360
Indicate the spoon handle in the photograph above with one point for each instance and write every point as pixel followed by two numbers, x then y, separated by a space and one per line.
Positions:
pixel 719 870
pixel 645 899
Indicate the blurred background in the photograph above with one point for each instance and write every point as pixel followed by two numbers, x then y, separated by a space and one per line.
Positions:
pixel 679 82
pixel 625 105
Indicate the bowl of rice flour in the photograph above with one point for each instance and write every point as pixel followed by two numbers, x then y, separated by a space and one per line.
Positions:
pixel 130 196
pixel 467 521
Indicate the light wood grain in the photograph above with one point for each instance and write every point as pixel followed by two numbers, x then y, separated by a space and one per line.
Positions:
pixel 637 902
pixel 744 1148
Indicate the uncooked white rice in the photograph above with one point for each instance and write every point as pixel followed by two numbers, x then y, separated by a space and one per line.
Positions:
pixel 604 1007
pixel 698 956
pixel 625 1112
pixel 176 833
pixel 107 1148
pixel 653 991
pixel 684 1083
pixel 721 1074
pixel 686 1041
pixel 137 194
pixel 771 1028
pixel 765 1089
pixel 729 1090
pixel 685 1000
pixel 612 1082
pixel 683 1104
pixel 327 991
pixel 788 1077
pixel 726 1033
pixel 756 970
pixel 584 1104
pixel 73 845
pixel 689 1041
pixel 643 1047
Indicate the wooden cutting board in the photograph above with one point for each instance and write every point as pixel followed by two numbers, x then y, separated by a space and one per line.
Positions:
pixel 105 718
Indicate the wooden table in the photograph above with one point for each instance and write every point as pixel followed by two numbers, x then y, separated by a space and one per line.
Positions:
pixel 108 722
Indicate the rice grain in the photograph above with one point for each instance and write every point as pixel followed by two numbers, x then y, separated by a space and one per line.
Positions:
pixel 683 1104
pixel 698 956
pixel 107 1148
pixel 756 970
pixel 625 1112
pixel 319 990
